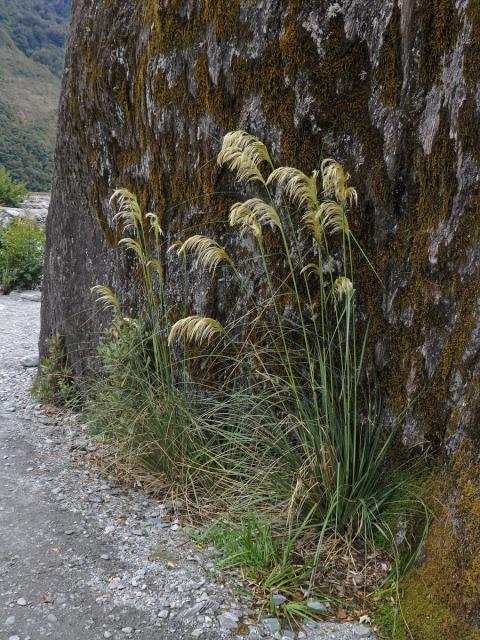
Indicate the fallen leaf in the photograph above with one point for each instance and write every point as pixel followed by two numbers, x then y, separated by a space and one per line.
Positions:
pixel 48 599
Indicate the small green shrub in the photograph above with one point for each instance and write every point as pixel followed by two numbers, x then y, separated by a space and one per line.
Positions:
pixel 12 193
pixel 55 383
pixel 22 245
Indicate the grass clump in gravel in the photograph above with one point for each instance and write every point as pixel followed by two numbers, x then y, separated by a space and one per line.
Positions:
pixel 271 409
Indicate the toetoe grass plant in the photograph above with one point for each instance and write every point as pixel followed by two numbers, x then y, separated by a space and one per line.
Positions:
pixel 270 410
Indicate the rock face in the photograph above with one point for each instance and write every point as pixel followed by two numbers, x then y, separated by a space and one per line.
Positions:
pixel 389 87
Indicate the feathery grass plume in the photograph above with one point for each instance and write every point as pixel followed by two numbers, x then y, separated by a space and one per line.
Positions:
pixel 244 154
pixel 155 224
pixel 299 188
pixel 208 252
pixel 106 298
pixel 311 267
pixel 133 245
pixel 251 214
pixel 129 212
pixel 195 329
pixel 313 221
pixel 155 265
pixel 334 217
pixel 342 286
pixel 335 180
pixel 243 217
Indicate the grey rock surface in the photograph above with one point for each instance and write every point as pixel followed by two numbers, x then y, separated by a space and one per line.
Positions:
pixel 35 207
pixel 82 558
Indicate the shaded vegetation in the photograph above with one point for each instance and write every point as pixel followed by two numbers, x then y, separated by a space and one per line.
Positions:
pixel 12 193
pixel 21 255
pixel 27 151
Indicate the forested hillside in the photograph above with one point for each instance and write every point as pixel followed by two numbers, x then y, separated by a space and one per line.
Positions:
pixel 32 39
pixel 38 28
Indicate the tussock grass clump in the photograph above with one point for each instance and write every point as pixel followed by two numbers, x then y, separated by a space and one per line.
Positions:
pixel 288 424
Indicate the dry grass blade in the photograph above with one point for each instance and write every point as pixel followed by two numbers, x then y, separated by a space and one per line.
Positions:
pixel 195 329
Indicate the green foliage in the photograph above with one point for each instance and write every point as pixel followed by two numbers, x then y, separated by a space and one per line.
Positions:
pixel 38 28
pixel 271 410
pixel 270 560
pixel 25 150
pixel 12 193
pixel 21 255
pixel 55 381
pixel 32 37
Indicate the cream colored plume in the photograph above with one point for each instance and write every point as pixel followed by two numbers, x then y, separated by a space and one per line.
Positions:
pixel 133 245
pixel 106 298
pixel 299 188
pixel 334 217
pixel 342 286
pixel 335 180
pixel 251 214
pixel 311 266
pixel 128 209
pixel 208 252
pixel 195 329
pixel 155 224
pixel 314 222
pixel 244 155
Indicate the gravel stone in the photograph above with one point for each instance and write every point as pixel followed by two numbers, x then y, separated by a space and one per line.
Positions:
pixel 271 625
pixel 30 361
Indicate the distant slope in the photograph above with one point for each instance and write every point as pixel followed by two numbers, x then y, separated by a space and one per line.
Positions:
pixel 28 106
pixel 38 28
pixel 32 39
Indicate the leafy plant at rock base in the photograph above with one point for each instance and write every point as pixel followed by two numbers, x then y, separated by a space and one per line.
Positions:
pixel 55 383
pixel 12 193
pixel 22 245
pixel 270 410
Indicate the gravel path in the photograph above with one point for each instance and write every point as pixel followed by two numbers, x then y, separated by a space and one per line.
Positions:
pixel 81 558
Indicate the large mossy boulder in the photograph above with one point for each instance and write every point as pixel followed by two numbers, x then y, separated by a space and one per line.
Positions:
pixel 390 88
